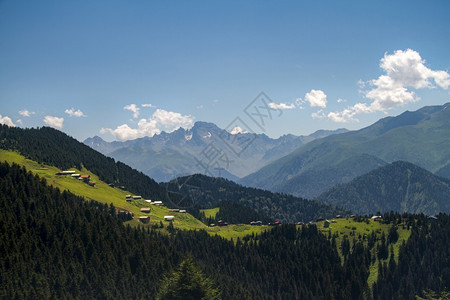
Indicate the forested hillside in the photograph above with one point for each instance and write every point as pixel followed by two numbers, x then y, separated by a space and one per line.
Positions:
pixel 399 186
pixel 56 245
pixel 200 191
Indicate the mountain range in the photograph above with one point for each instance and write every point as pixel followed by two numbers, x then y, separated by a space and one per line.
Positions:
pixel 421 137
pixel 205 148
pixel 399 186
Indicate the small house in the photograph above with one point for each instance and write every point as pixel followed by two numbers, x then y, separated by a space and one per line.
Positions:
pixel 174 210
pixel 375 217
pixel 148 201
pixel 158 203
pixel 257 223
pixel 169 218
pixel 222 223
pixel 183 211
pixel 144 219
pixel 137 197
pixel 65 173
pixel 85 178
pixel 128 196
pixel 75 175
pixel 145 210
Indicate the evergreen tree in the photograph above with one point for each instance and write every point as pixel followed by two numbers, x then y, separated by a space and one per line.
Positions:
pixel 187 282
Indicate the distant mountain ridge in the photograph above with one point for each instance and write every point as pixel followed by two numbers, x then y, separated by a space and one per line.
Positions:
pixel 184 152
pixel 421 137
pixel 400 187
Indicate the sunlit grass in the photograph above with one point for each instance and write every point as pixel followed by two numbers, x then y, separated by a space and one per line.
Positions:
pixel 210 213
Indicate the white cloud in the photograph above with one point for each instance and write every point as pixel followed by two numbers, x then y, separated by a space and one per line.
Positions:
pixel 133 108
pixel 281 105
pixel 147 105
pixel 54 122
pixel 342 116
pixel 26 113
pixel 74 113
pixel 299 103
pixel 19 121
pixel 340 100
pixel 161 120
pixel 403 70
pixel 318 115
pixel 6 121
pixel 316 98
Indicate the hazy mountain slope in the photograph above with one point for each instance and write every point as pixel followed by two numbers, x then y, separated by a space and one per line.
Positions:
pixel 421 137
pixel 170 155
pixel 399 186
pixel 444 171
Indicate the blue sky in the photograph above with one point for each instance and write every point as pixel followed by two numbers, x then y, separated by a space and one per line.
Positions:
pixel 126 69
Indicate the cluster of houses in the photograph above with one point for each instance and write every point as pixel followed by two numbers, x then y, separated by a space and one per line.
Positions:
pixel 259 223
pixel 84 177
pixel 147 210
pixel 128 198
pixel 219 223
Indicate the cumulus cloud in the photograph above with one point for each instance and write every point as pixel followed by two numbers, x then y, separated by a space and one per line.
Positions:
pixel 404 70
pixel 147 105
pixel 318 115
pixel 342 116
pixel 26 113
pixel 74 113
pixel 160 120
pixel 316 98
pixel 54 122
pixel 281 105
pixel 134 108
pixel 340 100
pixel 6 121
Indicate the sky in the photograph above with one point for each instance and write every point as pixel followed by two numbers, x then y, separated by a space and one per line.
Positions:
pixel 127 69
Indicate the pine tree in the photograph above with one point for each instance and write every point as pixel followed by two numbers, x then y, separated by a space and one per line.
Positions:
pixel 187 282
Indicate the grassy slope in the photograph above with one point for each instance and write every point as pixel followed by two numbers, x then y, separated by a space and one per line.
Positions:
pixel 345 227
pixel 212 212
pixel 106 194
